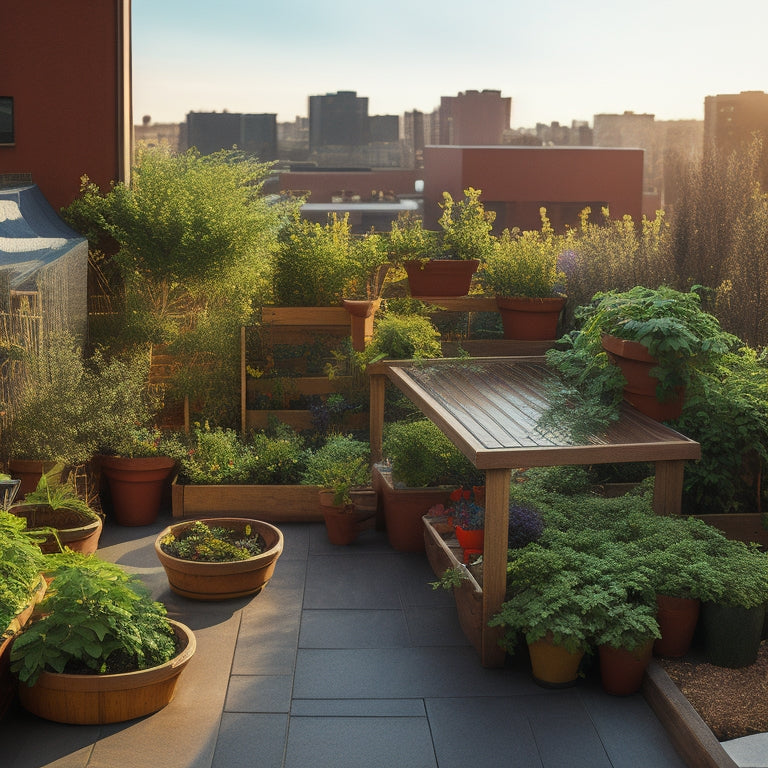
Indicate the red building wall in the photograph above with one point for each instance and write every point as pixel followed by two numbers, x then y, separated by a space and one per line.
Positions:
pixel 67 67
pixel 517 181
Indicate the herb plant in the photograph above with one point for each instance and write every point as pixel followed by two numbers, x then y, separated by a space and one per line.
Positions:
pixel 21 562
pixel 95 619
pixel 341 464
pixel 212 544
pixel 466 226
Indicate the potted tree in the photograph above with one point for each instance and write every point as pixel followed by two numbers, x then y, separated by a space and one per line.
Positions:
pixel 340 467
pixel 521 269
pixel 464 240
pixel 219 559
pixel 100 650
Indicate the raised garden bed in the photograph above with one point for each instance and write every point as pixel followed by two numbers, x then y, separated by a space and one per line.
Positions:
pixel 272 503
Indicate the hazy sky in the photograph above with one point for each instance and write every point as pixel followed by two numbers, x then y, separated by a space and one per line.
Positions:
pixel 558 60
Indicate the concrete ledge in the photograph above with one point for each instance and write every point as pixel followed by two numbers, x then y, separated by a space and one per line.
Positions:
pixel 690 735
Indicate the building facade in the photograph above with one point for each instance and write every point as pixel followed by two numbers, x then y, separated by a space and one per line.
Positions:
pixel 474 118
pixel 730 120
pixel 65 83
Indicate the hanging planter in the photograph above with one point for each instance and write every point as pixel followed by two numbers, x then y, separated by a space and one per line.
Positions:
pixel 440 277
pixel 530 319
pixel 136 485
pixel 636 366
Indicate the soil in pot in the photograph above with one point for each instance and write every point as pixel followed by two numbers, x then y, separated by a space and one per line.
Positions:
pixel 76 530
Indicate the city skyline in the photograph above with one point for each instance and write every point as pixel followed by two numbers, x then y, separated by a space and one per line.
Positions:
pixel 556 60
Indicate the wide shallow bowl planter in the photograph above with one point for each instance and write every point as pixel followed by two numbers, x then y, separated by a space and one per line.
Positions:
pixel 77 530
pixel 222 581
pixel 7 681
pixel 552 665
pixel 636 365
pixel 530 319
pixel 732 634
pixel 440 277
pixel 677 617
pixel 621 671
pixel 101 699
pixel 136 486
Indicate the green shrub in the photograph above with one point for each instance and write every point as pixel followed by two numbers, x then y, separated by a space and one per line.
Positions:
pixel 403 337
pixel 341 464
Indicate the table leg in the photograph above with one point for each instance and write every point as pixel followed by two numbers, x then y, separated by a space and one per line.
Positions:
pixel 376 418
pixel 494 561
pixel 668 487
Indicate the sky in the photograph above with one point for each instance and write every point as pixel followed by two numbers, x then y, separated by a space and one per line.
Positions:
pixel 557 60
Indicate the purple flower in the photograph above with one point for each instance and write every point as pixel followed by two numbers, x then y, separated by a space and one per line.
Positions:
pixel 525 525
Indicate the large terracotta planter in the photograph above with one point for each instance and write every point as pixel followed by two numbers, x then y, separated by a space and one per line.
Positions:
pixel 29 471
pixel 222 581
pixel 403 509
pixel 677 617
pixel 76 530
pixel 440 277
pixel 101 699
pixel 621 671
pixel 530 319
pixel 136 486
pixel 636 365
pixel 552 665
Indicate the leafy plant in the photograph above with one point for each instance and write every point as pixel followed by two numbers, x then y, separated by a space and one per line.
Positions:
pixel 95 619
pixel 466 226
pixel 421 455
pixel 525 263
pixel 408 240
pixel 403 337
pixel 21 563
pixel 465 509
pixel 212 544
pixel 340 464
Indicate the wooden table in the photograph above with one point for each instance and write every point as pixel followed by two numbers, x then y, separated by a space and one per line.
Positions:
pixel 489 408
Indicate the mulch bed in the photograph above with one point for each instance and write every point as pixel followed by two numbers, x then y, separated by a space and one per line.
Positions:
pixel 732 702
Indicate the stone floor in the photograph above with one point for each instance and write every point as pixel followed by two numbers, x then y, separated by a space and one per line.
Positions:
pixel 348 659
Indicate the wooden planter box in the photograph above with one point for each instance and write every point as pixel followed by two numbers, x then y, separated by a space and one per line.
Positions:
pixel 271 503
pixel 444 553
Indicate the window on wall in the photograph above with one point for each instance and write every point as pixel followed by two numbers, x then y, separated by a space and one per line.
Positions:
pixel 6 120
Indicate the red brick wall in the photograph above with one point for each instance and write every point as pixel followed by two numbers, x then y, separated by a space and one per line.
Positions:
pixel 60 63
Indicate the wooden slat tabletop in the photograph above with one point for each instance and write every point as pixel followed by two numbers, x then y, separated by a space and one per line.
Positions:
pixel 491 407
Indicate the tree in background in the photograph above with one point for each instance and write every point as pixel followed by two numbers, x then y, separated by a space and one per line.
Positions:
pixel 187 253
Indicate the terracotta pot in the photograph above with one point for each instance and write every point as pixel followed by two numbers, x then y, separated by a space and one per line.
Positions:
pixel 732 634
pixel 361 314
pixel 440 277
pixel 403 509
pixel 552 665
pixel 621 671
pixel 29 471
pixel 345 525
pixel 677 617
pixel 471 541
pixel 222 581
pixel 136 486
pixel 101 699
pixel 636 365
pixel 530 319
pixel 76 530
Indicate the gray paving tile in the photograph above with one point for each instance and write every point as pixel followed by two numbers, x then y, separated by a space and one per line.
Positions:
pixel 434 626
pixel 353 742
pixel 353 629
pixel 250 740
pixel 296 537
pixel 401 673
pixel 357 708
pixel 482 732
pixel 259 693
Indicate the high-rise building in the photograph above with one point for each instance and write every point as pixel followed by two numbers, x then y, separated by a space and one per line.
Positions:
pixel 730 120
pixel 338 119
pixel 210 132
pixel 474 118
